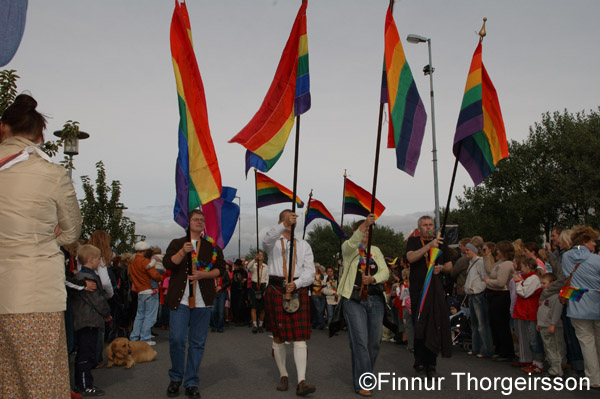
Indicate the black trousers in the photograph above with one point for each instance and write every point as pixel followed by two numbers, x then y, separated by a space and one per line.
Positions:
pixel 499 309
pixel 87 341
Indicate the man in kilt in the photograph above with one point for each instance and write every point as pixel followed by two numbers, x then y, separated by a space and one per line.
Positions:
pixel 259 279
pixel 290 327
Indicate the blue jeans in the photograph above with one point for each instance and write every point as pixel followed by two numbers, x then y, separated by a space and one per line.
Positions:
pixel 365 327
pixel 318 302
pixel 145 317
pixel 480 325
pixel 217 318
pixel 195 321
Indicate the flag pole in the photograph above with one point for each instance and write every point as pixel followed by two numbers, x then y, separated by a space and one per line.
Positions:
pixel 256 202
pixel 343 200
pixel 306 213
pixel 294 187
pixel 364 291
pixel 482 34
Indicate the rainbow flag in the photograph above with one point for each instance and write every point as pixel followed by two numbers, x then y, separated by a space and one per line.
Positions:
pixel 265 135
pixel 269 192
pixel 316 210
pixel 434 254
pixel 221 216
pixel 357 201
pixel 480 138
pixel 407 113
pixel 197 175
pixel 572 293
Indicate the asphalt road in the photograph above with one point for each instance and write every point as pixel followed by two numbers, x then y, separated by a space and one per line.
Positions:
pixel 238 364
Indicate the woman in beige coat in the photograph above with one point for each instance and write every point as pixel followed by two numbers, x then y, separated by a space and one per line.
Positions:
pixel 39 212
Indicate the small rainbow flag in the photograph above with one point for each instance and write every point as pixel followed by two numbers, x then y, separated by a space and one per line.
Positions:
pixel 572 293
pixel 197 175
pixel 406 110
pixel 269 192
pixel 357 201
pixel 434 253
pixel 221 216
pixel 316 210
pixel 480 137
pixel 265 135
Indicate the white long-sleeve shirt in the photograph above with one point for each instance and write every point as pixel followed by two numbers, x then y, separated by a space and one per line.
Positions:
pixel 305 265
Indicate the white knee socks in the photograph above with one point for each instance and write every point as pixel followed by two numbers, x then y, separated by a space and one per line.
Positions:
pixel 300 355
pixel 279 355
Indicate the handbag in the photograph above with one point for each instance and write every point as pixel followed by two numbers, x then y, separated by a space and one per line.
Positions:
pixel 561 295
pixel 337 320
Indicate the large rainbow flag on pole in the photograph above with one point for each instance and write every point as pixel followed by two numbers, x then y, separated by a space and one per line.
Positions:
pixel 265 135
pixel 480 139
pixel 316 210
pixel 269 192
pixel 357 201
pixel 197 175
pixel 407 114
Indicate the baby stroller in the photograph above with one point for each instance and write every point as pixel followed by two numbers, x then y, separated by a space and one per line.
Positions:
pixel 460 325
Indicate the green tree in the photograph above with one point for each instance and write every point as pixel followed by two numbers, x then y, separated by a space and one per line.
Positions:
pixel 326 245
pixel 102 210
pixel 549 179
pixel 8 88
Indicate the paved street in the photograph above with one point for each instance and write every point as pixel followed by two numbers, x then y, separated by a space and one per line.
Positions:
pixel 238 364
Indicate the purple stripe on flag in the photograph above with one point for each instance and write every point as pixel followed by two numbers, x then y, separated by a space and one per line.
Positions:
pixel 416 139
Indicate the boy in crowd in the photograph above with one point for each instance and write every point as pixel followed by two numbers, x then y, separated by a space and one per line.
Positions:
pixel 550 326
pixel 90 311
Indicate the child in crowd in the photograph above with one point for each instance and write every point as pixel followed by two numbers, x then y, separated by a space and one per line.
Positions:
pixel 550 326
pixel 406 310
pixel 90 311
pixel 528 288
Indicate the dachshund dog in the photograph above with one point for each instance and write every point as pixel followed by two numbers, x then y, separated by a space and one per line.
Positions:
pixel 124 352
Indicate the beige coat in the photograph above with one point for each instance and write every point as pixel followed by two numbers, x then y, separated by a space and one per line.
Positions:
pixel 35 197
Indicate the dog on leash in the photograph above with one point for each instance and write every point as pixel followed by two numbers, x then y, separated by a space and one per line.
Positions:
pixel 128 353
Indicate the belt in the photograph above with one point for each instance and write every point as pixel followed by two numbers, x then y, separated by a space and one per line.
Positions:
pixel 277 281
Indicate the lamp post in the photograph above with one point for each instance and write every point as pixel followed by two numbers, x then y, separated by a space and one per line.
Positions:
pixel 71 146
pixel 428 70
pixel 239 227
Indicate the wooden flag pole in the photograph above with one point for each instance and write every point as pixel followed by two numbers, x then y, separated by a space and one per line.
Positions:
pixel 256 197
pixel 290 276
pixel 307 209
pixel 343 199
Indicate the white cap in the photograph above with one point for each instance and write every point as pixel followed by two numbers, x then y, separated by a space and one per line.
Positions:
pixel 141 246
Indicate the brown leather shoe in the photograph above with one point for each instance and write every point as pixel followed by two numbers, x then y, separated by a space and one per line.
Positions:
pixel 365 393
pixel 283 384
pixel 304 389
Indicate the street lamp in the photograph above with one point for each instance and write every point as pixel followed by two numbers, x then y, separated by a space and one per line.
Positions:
pixel 239 227
pixel 71 146
pixel 428 70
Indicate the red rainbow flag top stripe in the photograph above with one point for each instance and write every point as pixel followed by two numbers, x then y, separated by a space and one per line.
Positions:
pixel 269 192
pixel 357 201
pixel 480 135
pixel 407 114
pixel 266 134
pixel 316 210
pixel 197 175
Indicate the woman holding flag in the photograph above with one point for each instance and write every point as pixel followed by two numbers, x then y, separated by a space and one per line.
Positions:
pixel 428 256
pixel 363 313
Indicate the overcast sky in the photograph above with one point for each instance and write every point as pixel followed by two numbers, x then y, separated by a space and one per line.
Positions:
pixel 107 64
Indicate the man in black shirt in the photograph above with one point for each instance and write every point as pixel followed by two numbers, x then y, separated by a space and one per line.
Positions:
pixel 432 327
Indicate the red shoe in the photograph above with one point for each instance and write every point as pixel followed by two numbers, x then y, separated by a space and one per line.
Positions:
pixel 75 395
pixel 533 369
pixel 521 365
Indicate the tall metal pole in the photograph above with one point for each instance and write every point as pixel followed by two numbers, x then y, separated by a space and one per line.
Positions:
pixel 434 146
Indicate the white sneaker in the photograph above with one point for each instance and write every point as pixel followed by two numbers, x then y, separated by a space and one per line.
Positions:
pixel 151 343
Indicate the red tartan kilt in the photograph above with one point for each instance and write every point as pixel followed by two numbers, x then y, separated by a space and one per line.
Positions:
pixel 287 326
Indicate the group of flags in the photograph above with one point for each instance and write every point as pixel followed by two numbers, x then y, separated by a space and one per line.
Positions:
pixel 479 142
